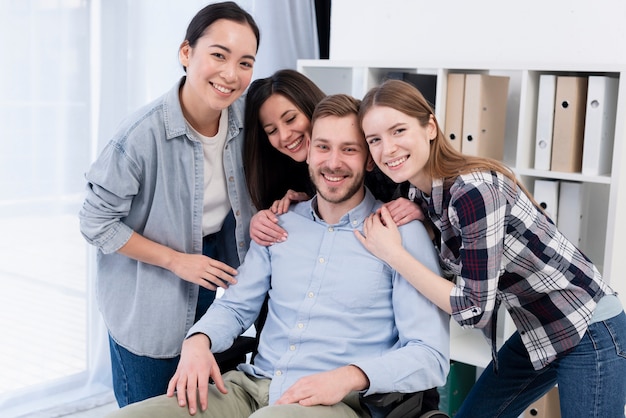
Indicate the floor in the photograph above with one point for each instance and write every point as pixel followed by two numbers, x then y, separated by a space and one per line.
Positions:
pixel 97 412
pixel 42 300
pixel 43 315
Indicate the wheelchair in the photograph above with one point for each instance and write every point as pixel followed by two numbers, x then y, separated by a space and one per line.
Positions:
pixel 422 404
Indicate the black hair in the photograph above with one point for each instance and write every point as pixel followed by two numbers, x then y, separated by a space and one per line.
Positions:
pixel 208 15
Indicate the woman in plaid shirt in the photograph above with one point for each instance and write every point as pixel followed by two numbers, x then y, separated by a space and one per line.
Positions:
pixel 502 248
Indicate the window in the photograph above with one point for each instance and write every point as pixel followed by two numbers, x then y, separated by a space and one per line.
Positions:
pixel 45 148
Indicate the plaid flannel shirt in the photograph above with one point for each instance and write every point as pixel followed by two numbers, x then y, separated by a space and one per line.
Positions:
pixel 502 249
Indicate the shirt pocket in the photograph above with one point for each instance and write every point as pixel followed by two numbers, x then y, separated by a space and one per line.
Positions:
pixel 358 283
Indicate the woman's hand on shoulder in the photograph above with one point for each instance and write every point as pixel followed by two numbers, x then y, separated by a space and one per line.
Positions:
pixel 264 228
pixel 281 206
pixel 380 235
pixel 403 211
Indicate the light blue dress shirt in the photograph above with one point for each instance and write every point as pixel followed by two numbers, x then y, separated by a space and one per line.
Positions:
pixel 332 303
pixel 150 179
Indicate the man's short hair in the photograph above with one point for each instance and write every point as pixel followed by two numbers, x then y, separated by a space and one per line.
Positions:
pixel 339 105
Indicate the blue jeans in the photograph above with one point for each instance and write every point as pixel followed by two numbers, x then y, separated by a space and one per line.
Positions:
pixel 136 378
pixel 591 378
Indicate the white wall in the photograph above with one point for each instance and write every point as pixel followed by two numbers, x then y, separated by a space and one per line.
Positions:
pixel 545 31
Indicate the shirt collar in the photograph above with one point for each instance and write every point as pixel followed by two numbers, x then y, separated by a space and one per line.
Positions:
pixel 175 124
pixel 436 196
pixel 353 218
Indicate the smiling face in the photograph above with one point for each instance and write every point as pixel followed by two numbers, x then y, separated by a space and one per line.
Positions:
pixel 219 67
pixel 338 160
pixel 399 145
pixel 286 127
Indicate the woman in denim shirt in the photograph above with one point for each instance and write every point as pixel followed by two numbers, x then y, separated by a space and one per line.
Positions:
pixel 167 205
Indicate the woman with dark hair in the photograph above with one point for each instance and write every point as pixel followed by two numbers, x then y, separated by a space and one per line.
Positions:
pixel 503 249
pixel 167 205
pixel 278 128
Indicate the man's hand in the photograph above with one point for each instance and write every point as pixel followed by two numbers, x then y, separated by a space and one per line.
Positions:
pixel 196 366
pixel 327 388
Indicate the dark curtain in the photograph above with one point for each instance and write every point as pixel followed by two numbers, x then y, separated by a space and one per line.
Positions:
pixel 322 15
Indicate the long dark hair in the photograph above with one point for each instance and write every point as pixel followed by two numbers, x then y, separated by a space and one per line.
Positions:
pixel 270 173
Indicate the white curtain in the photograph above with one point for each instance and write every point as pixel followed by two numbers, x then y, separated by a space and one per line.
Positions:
pixel 70 71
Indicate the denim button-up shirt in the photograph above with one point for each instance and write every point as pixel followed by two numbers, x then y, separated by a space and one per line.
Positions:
pixel 333 303
pixel 150 179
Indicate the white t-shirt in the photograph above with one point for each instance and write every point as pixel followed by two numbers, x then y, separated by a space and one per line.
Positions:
pixel 216 204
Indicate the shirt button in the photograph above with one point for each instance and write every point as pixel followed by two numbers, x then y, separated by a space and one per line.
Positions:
pixel 322 260
pixel 355 222
pixel 241 244
pixel 331 229
pixel 231 178
pixel 237 213
pixel 310 294
pixel 292 347
pixel 279 373
pixel 300 325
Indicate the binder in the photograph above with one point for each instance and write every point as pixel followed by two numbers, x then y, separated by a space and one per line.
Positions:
pixel 569 124
pixel 599 125
pixel 455 95
pixel 546 193
pixel 571 205
pixel 484 115
pixel 458 384
pixel 545 407
pixel 545 121
pixel 425 83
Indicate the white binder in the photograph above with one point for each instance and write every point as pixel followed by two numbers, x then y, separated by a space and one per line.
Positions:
pixel 571 204
pixel 599 125
pixel 546 193
pixel 545 121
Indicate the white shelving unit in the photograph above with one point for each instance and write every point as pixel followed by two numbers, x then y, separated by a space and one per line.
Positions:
pixel 603 226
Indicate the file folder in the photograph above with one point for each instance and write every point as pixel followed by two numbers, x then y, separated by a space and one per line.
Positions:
pixel 484 115
pixel 569 124
pixel 545 407
pixel 459 382
pixel 599 125
pixel 455 95
pixel 546 193
pixel 545 121
pixel 571 205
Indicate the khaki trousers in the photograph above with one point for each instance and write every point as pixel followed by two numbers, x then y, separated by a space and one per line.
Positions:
pixel 247 397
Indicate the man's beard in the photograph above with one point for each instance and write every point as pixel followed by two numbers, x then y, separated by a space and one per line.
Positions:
pixel 328 193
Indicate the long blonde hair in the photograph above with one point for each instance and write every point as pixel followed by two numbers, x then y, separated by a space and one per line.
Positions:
pixel 444 161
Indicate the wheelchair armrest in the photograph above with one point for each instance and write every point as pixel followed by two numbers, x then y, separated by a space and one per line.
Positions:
pixel 405 405
pixel 236 353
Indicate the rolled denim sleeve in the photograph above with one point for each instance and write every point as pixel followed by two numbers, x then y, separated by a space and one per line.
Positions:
pixel 112 183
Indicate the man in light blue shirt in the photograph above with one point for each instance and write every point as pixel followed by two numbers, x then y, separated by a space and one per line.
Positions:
pixel 340 322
